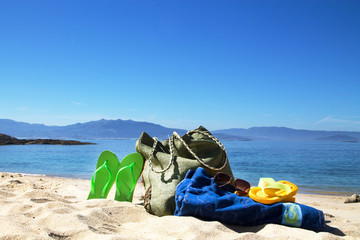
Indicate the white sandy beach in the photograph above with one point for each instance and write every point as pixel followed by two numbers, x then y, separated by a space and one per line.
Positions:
pixel 37 207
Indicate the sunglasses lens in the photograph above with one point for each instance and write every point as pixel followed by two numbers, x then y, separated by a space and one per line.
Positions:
pixel 242 185
pixel 222 178
pixel 224 181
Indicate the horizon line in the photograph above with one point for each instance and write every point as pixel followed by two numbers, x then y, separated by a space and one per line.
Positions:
pixel 175 127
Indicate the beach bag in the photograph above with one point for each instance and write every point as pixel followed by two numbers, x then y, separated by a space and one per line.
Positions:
pixel 167 162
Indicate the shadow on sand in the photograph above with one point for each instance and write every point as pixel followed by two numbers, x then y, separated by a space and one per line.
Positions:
pixel 255 229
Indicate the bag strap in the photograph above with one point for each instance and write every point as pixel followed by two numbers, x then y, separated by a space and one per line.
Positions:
pixel 171 142
pixel 171 146
pixel 199 159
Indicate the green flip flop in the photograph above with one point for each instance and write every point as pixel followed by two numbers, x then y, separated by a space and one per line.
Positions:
pixel 104 177
pixel 129 172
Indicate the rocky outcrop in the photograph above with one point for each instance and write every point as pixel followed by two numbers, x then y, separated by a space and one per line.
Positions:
pixel 338 138
pixel 8 140
pixel 353 199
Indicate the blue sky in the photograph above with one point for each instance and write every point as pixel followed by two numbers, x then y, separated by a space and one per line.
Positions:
pixel 221 64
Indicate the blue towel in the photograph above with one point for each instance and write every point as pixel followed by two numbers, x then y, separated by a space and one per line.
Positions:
pixel 197 195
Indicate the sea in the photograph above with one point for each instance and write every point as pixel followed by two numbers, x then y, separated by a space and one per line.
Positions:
pixel 314 166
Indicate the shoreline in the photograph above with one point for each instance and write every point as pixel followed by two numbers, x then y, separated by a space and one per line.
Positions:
pixel 329 193
pixel 43 207
pixel 300 191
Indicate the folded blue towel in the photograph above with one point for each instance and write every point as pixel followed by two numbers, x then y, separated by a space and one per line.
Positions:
pixel 197 195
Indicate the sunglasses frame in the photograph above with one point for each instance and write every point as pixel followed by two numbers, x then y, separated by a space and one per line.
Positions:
pixel 242 187
pixel 239 186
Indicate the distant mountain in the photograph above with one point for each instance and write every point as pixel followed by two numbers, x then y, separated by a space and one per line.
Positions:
pixel 283 133
pixel 132 129
pixel 101 129
pixel 89 130
pixel 22 129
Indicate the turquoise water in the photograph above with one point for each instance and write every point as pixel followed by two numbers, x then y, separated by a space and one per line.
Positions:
pixel 313 166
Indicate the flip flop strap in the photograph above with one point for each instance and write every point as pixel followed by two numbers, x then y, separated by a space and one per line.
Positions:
pixel 279 186
pixel 103 192
pixel 269 183
pixel 171 146
pixel 132 175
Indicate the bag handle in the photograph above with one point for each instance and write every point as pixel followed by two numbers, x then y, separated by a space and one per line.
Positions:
pixel 171 146
pixel 152 153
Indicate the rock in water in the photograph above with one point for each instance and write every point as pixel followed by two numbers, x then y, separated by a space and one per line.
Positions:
pixel 8 140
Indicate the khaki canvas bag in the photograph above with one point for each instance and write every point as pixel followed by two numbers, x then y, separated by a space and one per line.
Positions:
pixel 168 161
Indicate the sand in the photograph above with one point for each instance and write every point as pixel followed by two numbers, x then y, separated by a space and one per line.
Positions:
pixel 38 207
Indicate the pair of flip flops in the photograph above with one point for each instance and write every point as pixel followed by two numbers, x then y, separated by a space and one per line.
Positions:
pixel 270 192
pixel 109 170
